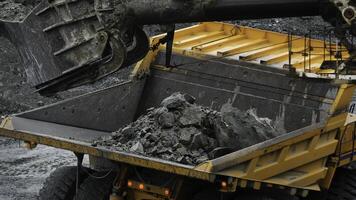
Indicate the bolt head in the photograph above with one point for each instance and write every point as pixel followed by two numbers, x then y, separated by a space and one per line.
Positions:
pixel 349 13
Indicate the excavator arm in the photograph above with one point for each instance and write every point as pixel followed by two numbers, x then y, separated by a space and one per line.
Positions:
pixel 67 43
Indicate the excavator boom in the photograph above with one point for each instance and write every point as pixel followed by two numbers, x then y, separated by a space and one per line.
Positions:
pixel 66 43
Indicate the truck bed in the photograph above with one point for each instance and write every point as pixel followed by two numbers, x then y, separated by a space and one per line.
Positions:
pixel 296 159
pixel 312 112
pixel 79 140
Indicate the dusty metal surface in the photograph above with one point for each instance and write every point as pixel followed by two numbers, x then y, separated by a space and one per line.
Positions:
pixel 56 130
pixel 105 110
pixel 272 92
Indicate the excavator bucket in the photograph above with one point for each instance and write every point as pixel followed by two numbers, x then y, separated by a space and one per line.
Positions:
pixel 62 44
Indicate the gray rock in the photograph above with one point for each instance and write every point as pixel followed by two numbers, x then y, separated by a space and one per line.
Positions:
pixel 182 151
pixel 146 144
pixel 165 150
pixel 202 159
pixel 154 150
pixel 40 103
pixel 199 140
pixel 183 132
pixel 150 109
pixel 166 120
pixel 195 153
pixel 127 134
pixel 147 130
pixel 184 160
pixel 175 101
pixel 190 99
pixel 177 146
pixel 191 116
pixel 159 111
pixel 186 135
pixel 151 137
pixel 212 144
pixel 138 148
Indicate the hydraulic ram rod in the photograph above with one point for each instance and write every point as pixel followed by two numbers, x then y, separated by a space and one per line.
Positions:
pixel 81 41
pixel 174 11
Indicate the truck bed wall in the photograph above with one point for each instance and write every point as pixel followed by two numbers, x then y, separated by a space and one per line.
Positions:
pixel 291 102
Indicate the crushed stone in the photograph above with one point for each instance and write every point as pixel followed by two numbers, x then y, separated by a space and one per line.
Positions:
pixel 182 131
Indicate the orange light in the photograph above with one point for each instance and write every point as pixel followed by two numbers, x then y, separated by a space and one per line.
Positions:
pixel 223 184
pixel 129 183
pixel 166 192
pixel 141 186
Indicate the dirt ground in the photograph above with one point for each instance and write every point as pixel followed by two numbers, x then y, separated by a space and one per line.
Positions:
pixel 22 171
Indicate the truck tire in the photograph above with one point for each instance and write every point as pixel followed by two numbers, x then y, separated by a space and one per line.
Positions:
pixel 343 186
pixel 265 197
pixel 207 195
pixel 60 185
pixel 261 195
pixel 97 187
pixel 244 195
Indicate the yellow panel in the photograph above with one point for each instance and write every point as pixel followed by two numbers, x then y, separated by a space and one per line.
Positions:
pixel 265 52
pixel 254 45
pixel 246 46
pixel 219 43
pixel 199 38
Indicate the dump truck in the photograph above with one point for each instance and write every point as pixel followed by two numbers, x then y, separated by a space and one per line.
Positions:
pixel 306 85
pixel 267 71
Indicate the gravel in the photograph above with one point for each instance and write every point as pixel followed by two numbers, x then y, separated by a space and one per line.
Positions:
pixel 314 25
pixel 182 131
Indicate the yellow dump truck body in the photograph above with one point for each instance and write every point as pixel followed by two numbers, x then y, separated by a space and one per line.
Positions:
pixel 283 51
pixel 303 159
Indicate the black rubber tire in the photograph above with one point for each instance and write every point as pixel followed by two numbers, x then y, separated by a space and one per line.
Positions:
pixel 60 185
pixel 242 195
pixel 343 186
pixel 207 195
pixel 264 195
pixel 97 188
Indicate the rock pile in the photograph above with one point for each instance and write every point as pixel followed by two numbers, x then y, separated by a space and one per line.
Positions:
pixel 181 131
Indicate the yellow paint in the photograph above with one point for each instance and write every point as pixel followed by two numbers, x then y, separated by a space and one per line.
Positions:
pixel 298 162
pixel 253 45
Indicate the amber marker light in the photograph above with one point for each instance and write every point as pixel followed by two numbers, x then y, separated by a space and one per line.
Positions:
pixel 129 183
pixel 166 192
pixel 224 184
pixel 141 186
